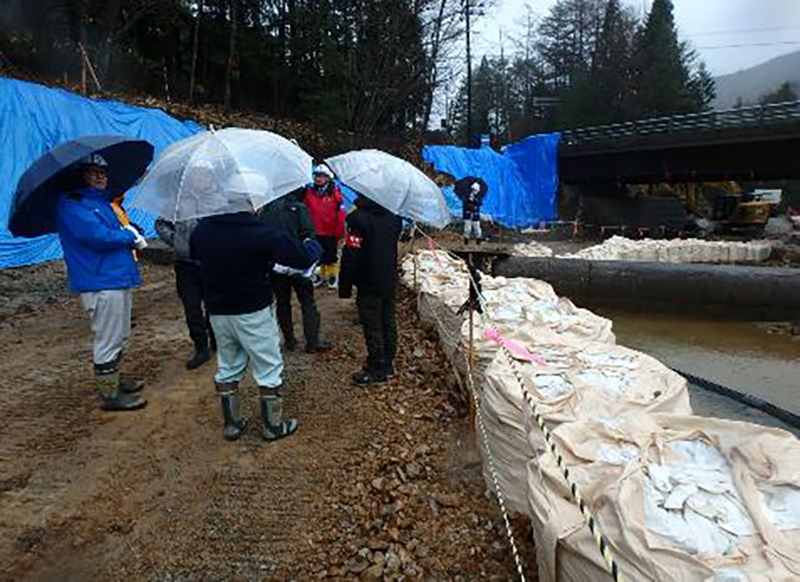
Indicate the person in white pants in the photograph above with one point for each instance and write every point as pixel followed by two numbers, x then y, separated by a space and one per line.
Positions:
pixel 101 267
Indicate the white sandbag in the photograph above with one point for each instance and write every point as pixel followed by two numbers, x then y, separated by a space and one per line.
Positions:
pixel 569 383
pixel 679 498
pixel 532 249
pixel 618 248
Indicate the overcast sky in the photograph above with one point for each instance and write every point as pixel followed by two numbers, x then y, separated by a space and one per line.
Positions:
pixel 707 24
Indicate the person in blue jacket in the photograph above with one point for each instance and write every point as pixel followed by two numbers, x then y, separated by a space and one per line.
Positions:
pixel 101 268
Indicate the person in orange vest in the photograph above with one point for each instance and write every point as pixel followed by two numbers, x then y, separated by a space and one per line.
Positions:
pixel 326 207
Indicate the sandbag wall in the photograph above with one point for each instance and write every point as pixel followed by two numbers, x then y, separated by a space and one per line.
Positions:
pixel 619 248
pixel 588 389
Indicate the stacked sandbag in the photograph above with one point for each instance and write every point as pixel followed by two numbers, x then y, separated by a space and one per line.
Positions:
pixel 532 249
pixel 619 248
pixel 570 382
pixel 442 287
pixel 528 306
pixel 679 498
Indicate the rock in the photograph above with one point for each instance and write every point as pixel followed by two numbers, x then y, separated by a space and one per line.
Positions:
pixel 392 566
pixel 418 353
pixel 365 553
pixel 447 500
pixel 373 573
pixel 378 484
pixel 376 544
pixel 413 470
pixel 357 565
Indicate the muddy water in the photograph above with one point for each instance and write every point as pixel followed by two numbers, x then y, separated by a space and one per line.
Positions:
pixel 742 356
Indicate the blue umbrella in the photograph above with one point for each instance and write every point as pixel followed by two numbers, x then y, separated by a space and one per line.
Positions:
pixel 33 207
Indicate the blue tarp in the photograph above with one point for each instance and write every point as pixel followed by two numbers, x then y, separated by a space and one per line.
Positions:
pixel 522 182
pixel 34 119
pixel 537 159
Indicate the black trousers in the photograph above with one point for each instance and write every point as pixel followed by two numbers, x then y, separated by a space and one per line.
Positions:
pixel 330 250
pixel 282 286
pixel 377 316
pixel 189 282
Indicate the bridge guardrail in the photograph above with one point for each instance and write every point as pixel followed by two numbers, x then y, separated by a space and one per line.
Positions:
pixel 773 114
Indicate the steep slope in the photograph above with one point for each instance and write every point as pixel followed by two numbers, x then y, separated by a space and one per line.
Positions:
pixel 750 84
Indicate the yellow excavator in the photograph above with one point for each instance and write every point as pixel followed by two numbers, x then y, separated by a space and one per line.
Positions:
pixel 724 204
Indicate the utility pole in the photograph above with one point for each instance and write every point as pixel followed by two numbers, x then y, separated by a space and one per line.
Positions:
pixel 469 72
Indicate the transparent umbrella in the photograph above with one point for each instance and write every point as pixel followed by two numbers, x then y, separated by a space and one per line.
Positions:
pixel 219 172
pixel 393 183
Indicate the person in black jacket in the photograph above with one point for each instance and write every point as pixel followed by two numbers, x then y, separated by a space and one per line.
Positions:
pixel 471 191
pixel 237 253
pixel 189 284
pixel 369 262
pixel 290 216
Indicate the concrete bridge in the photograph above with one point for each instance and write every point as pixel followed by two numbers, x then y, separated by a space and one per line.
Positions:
pixel 749 143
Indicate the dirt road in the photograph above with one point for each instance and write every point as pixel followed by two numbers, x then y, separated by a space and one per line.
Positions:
pixel 380 482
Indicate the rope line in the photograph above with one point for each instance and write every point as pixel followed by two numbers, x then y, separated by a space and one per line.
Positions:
pixel 485 438
pixel 590 520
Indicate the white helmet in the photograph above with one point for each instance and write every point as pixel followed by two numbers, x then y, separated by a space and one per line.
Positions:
pixel 323 169
pixel 476 187
pixel 93 160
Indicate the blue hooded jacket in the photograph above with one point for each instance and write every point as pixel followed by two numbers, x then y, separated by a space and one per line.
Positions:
pixel 97 250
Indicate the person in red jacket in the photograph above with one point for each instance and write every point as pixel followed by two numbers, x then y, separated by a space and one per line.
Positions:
pixel 326 207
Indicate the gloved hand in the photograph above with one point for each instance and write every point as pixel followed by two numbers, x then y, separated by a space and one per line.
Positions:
pixel 314 249
pixel 139 242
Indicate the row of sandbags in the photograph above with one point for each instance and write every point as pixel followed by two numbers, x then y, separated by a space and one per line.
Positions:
pixel 623 423
pixel 619 248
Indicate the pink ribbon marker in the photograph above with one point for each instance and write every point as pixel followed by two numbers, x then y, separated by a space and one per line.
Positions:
pixel 512 346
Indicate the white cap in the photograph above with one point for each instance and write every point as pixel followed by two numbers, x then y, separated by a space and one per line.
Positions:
pixel 476 187
pixel 323 169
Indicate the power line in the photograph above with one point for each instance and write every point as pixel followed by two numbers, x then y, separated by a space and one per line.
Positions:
pixel 744 31
pixel 749 45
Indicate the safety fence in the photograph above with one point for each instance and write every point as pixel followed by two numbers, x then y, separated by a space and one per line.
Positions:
pixel 742 117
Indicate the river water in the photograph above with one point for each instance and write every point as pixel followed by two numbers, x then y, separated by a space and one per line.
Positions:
pixel 747 357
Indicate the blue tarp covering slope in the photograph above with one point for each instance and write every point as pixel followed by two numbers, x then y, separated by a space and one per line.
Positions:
pixel 536 158
pixel 504 202
pixel 34 119
pixel 522 182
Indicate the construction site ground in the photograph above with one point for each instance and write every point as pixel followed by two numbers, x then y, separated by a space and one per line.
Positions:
pixel 379 483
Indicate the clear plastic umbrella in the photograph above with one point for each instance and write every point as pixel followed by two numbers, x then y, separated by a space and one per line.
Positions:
pixel 393 183
pixel 219 172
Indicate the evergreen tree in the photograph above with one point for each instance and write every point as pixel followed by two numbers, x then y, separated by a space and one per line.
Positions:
pixel 704 87
pixel 785 92
pixel 601 97
pixel 660 68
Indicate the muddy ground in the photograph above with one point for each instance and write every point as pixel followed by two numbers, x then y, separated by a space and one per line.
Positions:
pixel 380 482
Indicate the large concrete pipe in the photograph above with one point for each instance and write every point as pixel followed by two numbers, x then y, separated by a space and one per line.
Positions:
pixel 764 293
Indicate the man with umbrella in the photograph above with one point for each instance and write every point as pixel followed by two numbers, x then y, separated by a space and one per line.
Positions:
pixel 388 188
pixel 237 252
pixel 99 253
pixel 471 191
pixel 369 262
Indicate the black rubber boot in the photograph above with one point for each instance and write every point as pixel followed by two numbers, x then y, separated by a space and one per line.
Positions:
pixel 368 377
pixel 319 346
pixel 289 344
pixel 131 385
pixel 112 398
pixel 273 426
pixel 200 357
pixel 231 411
